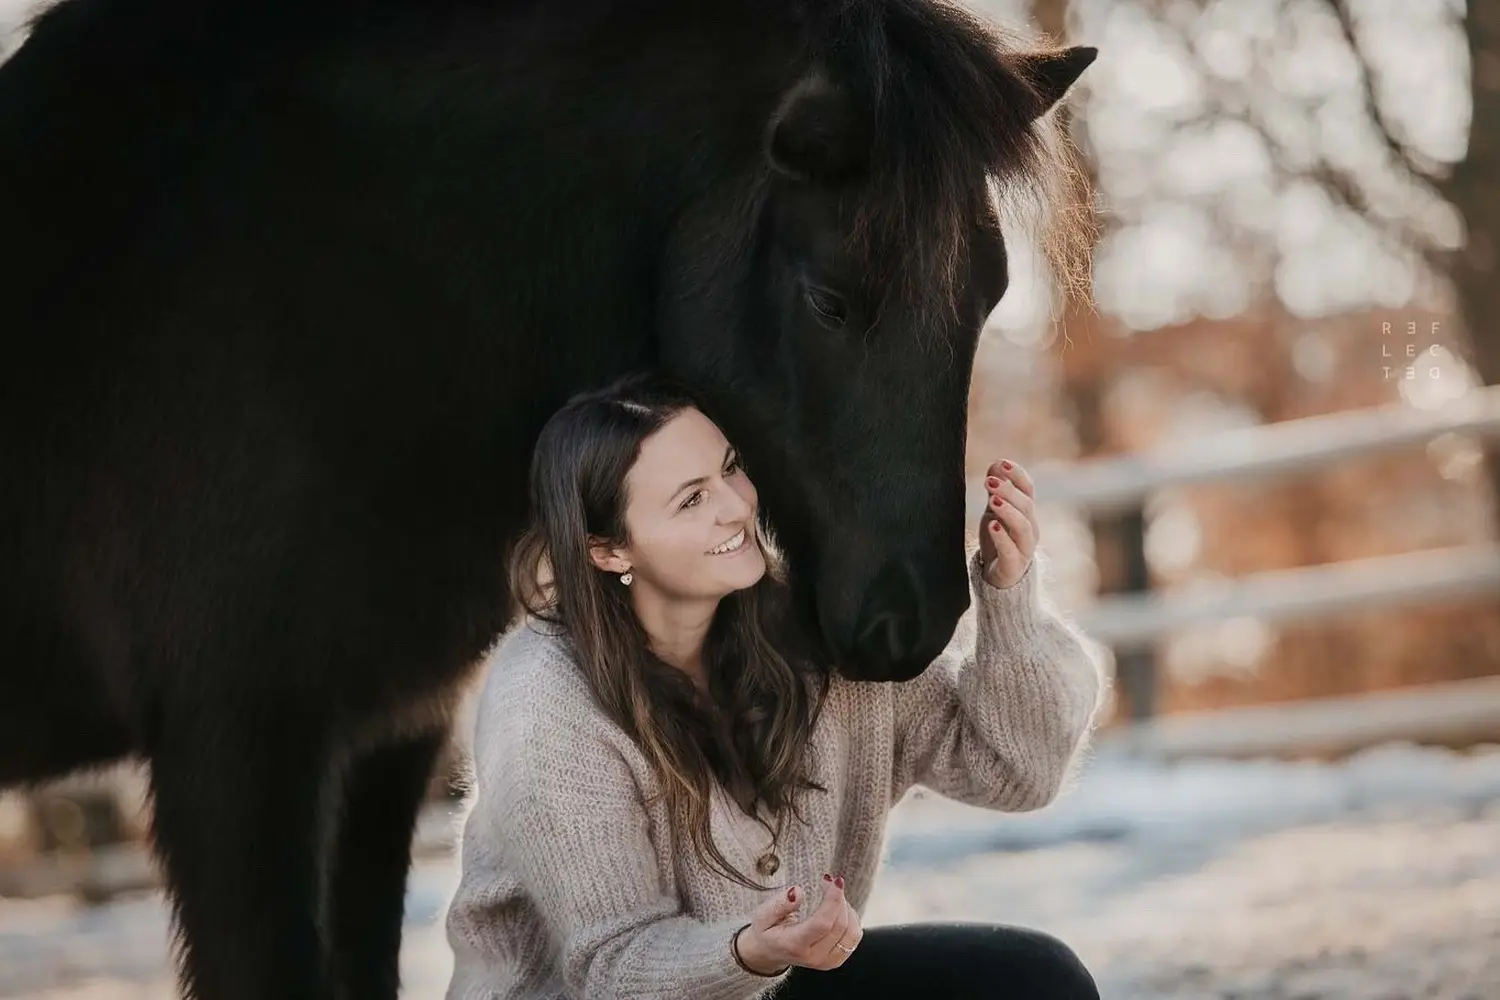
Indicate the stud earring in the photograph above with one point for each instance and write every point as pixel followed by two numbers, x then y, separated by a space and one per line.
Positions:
pixel 626 577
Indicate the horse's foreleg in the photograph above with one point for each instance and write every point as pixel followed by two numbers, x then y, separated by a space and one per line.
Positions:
pixel 382 793
pixel 237 802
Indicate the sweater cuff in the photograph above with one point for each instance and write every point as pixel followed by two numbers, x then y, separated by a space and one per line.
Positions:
pixel 1015 612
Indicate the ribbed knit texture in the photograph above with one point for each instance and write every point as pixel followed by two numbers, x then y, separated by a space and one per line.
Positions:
pixel 572 887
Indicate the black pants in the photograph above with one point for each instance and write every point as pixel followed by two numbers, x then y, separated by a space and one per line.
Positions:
pixel 949 962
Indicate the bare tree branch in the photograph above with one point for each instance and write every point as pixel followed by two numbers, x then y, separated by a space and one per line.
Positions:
pixel 1227 100
pixel 1412 161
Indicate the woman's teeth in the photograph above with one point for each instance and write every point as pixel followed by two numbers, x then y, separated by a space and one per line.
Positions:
pixel 730 546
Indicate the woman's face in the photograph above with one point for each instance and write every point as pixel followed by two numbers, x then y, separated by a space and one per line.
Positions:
pixel 690 514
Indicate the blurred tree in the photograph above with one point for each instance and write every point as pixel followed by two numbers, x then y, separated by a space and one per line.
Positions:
pixel 1473 190
pixel 1119 539
pixel 1355 107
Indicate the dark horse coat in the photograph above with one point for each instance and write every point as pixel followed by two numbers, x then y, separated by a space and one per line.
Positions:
pixel 288 289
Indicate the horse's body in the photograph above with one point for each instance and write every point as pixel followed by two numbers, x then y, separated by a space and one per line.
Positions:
pixel 288 290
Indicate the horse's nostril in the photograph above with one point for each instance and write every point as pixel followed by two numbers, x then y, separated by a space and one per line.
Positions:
pixel 889 630
pixel 904 620
pixel 889 637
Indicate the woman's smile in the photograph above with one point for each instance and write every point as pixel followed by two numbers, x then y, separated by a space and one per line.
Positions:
pixel 733 546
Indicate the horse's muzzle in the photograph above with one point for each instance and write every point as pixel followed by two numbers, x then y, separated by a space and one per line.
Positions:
pixel 901 627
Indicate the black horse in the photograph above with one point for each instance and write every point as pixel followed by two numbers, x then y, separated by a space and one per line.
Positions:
pixel 288 289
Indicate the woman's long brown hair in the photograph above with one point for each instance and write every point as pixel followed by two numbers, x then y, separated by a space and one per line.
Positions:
pixel 750 733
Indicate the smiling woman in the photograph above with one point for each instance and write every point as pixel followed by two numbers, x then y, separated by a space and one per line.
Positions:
pixel 645 531
pixel 665 766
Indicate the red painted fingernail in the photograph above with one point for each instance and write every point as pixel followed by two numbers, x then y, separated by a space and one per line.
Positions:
pixel 995 526
pixel 993 483
pixel 827 877
pixel 839 881
pixel 998 501
pixel 791 894
pixel 1006 465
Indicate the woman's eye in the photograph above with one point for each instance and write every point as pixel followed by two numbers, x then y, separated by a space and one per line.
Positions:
pixel 692 500
pixel 827 306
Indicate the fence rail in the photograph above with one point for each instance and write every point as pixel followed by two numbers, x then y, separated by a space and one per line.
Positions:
pixel 1434 576
pixel 1272 450
pixel 1447 713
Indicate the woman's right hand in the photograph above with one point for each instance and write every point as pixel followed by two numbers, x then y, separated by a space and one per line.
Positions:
pixel 779 935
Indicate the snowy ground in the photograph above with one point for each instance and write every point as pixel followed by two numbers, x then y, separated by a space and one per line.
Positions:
pixel 12 14
pixel 1375 879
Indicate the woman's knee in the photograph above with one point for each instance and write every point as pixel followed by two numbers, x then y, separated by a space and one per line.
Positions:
pixel 1049 967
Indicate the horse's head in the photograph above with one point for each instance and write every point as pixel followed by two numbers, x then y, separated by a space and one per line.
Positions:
pixel 830 297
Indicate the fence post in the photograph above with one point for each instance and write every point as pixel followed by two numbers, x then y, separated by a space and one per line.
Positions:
pixel 1123 535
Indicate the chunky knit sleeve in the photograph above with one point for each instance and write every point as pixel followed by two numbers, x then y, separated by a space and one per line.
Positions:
pixel 1001 718
pixel 557 819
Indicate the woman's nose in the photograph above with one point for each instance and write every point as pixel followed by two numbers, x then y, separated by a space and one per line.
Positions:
pixel 736 506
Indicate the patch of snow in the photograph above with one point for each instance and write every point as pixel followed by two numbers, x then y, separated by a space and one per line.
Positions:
pixel 1201 802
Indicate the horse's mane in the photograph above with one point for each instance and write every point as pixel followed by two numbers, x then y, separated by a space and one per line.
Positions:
pixel 947 91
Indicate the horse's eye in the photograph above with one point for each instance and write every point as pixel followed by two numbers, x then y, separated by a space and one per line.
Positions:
pixel 827 306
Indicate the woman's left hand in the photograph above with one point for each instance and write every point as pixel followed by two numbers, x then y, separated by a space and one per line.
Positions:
pixel 1008 530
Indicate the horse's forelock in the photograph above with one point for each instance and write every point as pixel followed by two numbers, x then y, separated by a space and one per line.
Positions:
pixel 954 140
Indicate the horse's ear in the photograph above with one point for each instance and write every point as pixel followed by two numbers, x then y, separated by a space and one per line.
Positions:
pixel 817 133
pixel 1052 73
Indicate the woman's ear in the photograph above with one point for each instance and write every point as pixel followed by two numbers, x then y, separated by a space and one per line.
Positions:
pixel 607 557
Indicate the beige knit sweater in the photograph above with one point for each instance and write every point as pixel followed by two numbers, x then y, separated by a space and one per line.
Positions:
pixel 572 888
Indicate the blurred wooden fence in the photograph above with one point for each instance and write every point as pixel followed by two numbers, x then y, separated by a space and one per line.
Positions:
pixel 77 811
pixel 1133 621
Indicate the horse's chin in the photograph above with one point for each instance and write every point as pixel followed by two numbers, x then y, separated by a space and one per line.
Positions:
pixel 856 667
pixel 880 638
pixel 856 657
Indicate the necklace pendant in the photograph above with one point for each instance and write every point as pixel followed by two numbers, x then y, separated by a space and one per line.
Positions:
pixel 768 864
